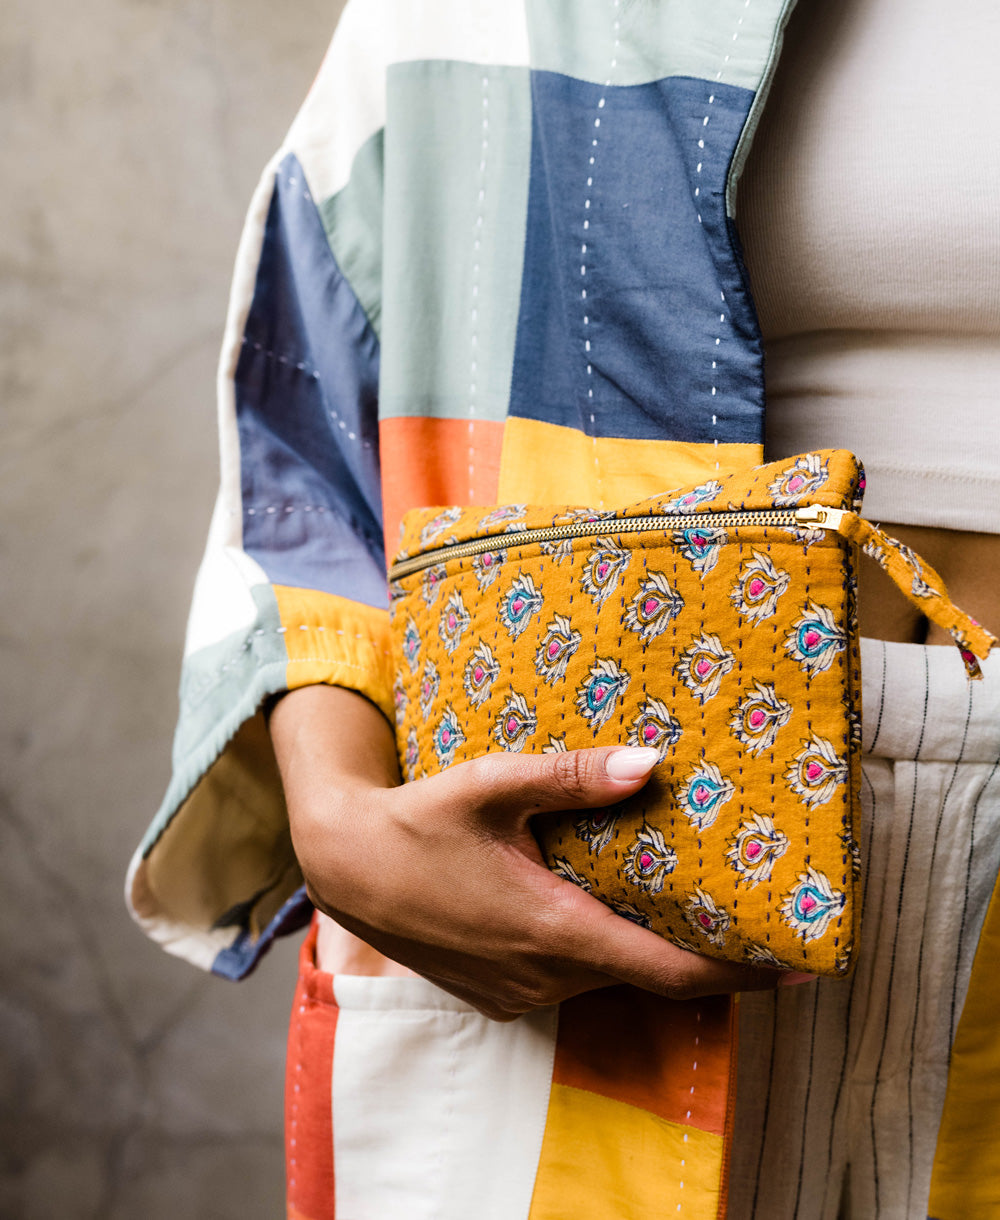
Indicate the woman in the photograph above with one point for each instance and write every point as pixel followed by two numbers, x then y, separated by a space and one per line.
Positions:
pixel 535 273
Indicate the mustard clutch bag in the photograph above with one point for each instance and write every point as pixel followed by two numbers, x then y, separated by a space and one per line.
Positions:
pixel 714 623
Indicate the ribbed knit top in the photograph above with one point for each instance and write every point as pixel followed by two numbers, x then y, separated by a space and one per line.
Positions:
pixel 870 215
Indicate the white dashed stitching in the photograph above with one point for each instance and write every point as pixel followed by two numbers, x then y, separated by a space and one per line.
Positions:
pixel 300 367
pixel 477 234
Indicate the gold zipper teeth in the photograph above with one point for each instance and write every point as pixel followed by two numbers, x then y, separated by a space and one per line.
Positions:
pixel 666 522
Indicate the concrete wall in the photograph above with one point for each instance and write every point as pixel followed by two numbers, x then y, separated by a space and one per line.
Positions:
pixel 134 130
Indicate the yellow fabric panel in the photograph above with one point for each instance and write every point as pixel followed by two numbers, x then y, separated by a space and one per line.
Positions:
pixel 607 1160
pixel 548 464
pixel 965 1184
pixel 338 642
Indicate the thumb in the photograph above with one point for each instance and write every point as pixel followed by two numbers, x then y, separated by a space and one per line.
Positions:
pixel 509 789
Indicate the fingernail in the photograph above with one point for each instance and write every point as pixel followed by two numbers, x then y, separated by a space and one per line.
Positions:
pixel 793 977
pixel 632 762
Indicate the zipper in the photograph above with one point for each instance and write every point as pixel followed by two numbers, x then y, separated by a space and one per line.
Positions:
pixel 814 516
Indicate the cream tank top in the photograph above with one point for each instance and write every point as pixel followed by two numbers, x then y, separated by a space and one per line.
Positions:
pixel 869 212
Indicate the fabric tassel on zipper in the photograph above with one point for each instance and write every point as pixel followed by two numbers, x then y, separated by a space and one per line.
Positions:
pixel 921 586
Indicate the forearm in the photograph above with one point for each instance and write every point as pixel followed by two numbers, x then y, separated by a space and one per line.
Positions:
pixel 327 734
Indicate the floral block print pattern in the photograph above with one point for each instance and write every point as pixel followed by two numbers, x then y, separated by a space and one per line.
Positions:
pixel 730 650
pixel 649 860
pixel 650 611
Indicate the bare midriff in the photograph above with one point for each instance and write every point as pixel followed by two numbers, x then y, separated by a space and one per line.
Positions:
pixel 969 564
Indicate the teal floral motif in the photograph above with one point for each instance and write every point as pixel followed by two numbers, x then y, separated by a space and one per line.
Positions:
pixel 811 905
pixel 599 694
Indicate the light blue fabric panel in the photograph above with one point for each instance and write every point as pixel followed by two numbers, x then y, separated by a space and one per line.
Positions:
pixel 635 42
pixel 222 686
pixel 458 143
pixel 352 219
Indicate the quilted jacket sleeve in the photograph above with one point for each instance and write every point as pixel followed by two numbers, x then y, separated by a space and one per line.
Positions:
pixel 292 587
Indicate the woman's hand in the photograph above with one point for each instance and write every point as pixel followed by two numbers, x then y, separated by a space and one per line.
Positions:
pixel 444 875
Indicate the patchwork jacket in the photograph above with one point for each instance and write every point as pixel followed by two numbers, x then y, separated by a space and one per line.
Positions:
pixel 494 260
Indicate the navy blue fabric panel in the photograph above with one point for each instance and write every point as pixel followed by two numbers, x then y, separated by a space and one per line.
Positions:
pixel 666 311
pixel 307 410
pixel 243 956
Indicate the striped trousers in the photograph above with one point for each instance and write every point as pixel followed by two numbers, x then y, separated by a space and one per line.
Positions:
pixel 841 1087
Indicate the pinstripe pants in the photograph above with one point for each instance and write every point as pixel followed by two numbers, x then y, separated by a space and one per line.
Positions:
pixel 841 1085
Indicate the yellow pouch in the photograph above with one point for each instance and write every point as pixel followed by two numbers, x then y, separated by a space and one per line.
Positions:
pixel 715 623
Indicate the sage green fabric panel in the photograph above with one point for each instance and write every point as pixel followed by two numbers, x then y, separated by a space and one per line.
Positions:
pixel 457 157
pixel 352 219
pixel 222 686
pixel 633 42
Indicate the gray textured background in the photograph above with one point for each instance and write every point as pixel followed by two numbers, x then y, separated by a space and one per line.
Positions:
pixel 134 131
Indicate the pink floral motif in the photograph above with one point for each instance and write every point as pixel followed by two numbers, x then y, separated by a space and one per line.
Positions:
pixel 759 955
pixel 481 670
pixel 815 639
pixel 703 793
pixel 520 603
pixel 515 723
pixel 806 476
pixel 558 644
pixel 649 860
pixel 758 716
pixel 707 917
pixel 632 913
pixel 438 525
pixel 816 771
pixel 654 727
pixel 562 868
pixel 700 547
pixel 453 622
pixel 400 701
pixel 430 682
pixel 487 565
pixel 703 665
pixel 504 514
pixel 431 582
pixel 411 756
pixel 411 643
pixel 756 593
pixel 754 848
pixel 653 608
pixel 602 570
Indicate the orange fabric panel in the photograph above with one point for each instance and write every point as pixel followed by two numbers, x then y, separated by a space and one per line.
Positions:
pixel 308 1092
pixel 670 1058
pixel 465 469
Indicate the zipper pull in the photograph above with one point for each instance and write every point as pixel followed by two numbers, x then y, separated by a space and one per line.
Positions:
pixel 817 516
pixel 913 576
